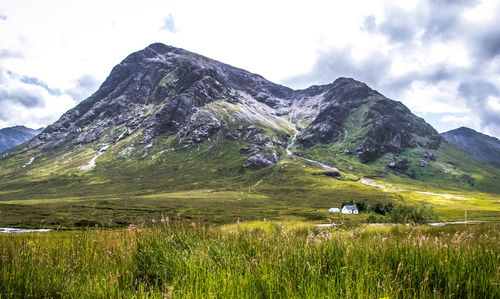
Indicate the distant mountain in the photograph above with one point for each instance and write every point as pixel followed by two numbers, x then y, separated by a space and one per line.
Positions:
pixel 13 136
pixel 478 145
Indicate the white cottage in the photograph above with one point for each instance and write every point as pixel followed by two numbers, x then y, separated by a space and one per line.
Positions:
pixel 334 210
pixel 350 210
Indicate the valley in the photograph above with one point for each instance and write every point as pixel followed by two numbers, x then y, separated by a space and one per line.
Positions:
pixel 182 176
pixel 173 133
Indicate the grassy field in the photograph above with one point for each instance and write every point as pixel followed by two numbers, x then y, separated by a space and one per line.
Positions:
pixel 292 190
pixel 180 259
pixel 133 184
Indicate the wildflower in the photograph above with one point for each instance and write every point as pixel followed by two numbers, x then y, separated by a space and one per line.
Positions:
pixel 164 219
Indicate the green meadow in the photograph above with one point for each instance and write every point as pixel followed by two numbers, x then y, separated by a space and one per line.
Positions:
pixel 186 259
pixel 208 183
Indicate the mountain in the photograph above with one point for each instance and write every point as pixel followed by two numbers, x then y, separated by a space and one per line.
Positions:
pixel 163 90
pixel 479 146
pixel 13 136
pixel 171 132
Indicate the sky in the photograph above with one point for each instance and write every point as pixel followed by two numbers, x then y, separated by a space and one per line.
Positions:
pixel 441 58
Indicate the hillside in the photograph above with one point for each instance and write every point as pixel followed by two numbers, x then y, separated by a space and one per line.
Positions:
pixel 13 136
pixel 477 145
pixel 175 133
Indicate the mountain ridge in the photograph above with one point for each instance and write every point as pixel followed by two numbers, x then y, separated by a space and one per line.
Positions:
pixel 16 135
pixel 478 145
pixel 161 89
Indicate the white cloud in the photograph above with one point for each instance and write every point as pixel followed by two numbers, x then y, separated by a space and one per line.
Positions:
pixel 494 104
pixel 29 104
pixel 455 119
pixel 423 97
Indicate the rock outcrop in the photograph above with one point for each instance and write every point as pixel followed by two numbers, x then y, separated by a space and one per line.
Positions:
pixel 389 127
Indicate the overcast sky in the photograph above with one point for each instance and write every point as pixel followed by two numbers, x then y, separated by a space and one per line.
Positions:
pixel 441 58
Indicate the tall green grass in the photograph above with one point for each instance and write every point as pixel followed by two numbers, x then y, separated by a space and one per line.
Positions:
pixel 272 260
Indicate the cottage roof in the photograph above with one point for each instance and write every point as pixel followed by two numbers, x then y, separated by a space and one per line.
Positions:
pixel 350 207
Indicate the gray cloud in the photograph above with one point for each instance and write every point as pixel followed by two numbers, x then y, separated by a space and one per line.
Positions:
pixel 3 77
pixel 169 24
pixel 399 26
pixel 373 70
pixel 6 53
pixel 477 90
pixel 4 115
pixel 370 23
pixel 443 18
pixel 455 2
pixel 441 23
pixel 487 42
pixel 24 97
pixel 436 19
pixel 340 63
pixel 477 93
pixel 83 88
pixel 434 75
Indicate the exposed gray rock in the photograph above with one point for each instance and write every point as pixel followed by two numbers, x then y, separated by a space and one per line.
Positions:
pixel 262 140
pixel 253 149
pixel 424 162
pixel 261 160
pixel 242 133
pixel 333 173
pixel 427 157
pixel 468 179
pixel 399 163
pixel 198 133
pixel 390 126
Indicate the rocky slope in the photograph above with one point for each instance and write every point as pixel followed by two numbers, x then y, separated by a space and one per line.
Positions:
pixel 163 92
pixel 13 136
pixel 380 125
pixel 479 146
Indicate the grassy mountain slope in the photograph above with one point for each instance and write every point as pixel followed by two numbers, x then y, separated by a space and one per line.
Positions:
pixel 207 182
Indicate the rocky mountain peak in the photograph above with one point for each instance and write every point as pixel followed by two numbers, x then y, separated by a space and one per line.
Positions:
pixel 163 90
pixel 465 131
pixel 157 89
pixel 366 121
